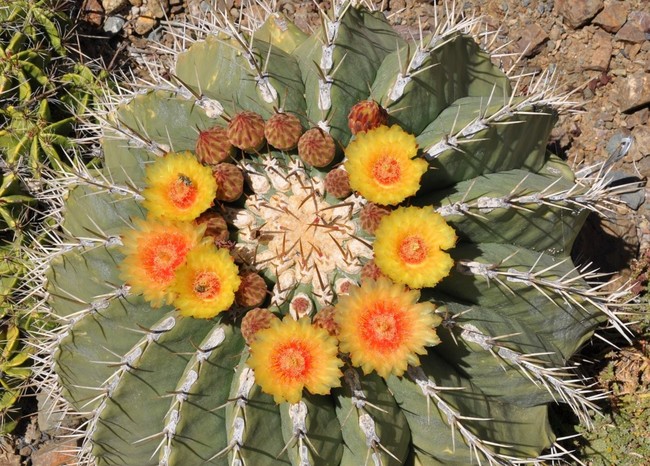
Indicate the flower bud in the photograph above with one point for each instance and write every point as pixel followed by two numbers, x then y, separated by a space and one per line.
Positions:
pixel 246 131
pixel 283 131
pixel 366 115
pixel 316 147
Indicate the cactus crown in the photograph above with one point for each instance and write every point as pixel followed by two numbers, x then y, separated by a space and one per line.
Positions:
pixel 455 302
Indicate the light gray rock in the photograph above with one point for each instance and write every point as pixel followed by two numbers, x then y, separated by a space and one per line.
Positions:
pixel 113 24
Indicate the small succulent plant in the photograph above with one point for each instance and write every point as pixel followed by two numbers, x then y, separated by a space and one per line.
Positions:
pixel 344 248
pixel 41 91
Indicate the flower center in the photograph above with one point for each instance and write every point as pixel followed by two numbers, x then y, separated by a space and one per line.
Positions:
pixel 163 255
pixel 382 328
pixel 206 285
pixel 182 192
pixel 412 250
pixel 292 361
pixel 386 170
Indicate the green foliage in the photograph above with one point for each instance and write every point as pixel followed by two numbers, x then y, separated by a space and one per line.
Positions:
pixel 163 389
pixel 43 91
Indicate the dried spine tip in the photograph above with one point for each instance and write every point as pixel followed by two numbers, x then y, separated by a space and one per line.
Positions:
pixel 283 131
pixel 316 147
pixel 366 115
pixel 337 183
pixel 215 226
pixel 371 215
pixel 213 146
pixel 255 320
pixel 325 319
pixel 371 271
pixel 246 131
pixel 252 290
pixel 230 182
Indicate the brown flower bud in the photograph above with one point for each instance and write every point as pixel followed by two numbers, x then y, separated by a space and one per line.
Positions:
pixel 216 227
pixel 371 215
pixel 370 271
pixel 366 115
pixel 255 320
pixel 283 131
pixel 325 319
pixel 252 290
pixel 213 146
pixel 316 147
pixel 230 182
pixel 246 131
pixel 337 183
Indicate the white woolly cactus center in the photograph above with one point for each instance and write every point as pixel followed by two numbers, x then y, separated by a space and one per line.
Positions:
pixel 297 236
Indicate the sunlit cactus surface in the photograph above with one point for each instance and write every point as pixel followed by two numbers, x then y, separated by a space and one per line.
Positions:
pixel 340 248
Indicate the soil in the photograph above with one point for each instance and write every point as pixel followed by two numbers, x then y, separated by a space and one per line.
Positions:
pixel 600 54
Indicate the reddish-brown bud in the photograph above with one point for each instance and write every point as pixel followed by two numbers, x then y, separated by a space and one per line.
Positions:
pixel 366 115
pixel 230 182
pixel 255 320
pixel 283 131
pixel 216 227
pixel 371 215
pixel 252 290
pixel 316 147
pixel 370 271
pixel 325 319
pixel 246 131
pixel 337 183
pixel 213 146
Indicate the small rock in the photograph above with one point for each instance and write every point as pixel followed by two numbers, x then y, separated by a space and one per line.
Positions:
pixel 630 33
pixel 57 453
pixel 556 33
pixel 641 143
pixel 578 12
pixel 7 458
pixel 531 40
pixel 612 18
pixel 92 12
pixel 638 118
pixel 144 24
pixel 113 6
pixel 597 53
pixel 113 24
pixel 155 9
pixel 636 27
pixel 635 92
pixel 135 2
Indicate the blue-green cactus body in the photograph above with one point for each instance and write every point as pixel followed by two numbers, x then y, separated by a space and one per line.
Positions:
pixel 170 390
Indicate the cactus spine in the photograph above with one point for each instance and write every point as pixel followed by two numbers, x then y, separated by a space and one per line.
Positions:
pixel 511 308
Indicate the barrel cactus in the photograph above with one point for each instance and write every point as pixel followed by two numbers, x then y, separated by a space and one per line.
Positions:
pixel 344 248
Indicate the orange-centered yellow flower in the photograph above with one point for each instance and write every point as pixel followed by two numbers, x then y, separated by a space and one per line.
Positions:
pixel 178 187
pixel 381 165
pixel 206 284
pixel 154 250
pixel 409 246
pixel 383 327
pixel 292 355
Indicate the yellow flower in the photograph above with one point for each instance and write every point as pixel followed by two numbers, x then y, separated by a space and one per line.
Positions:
pixel 292 355
pixel 178 187
pixel 154 250
pixel 384 328
pixel 381 166
pixel 206 284
pixel 409 244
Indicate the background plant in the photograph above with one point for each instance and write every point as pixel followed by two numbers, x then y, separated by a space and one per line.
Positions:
pixel 41 91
